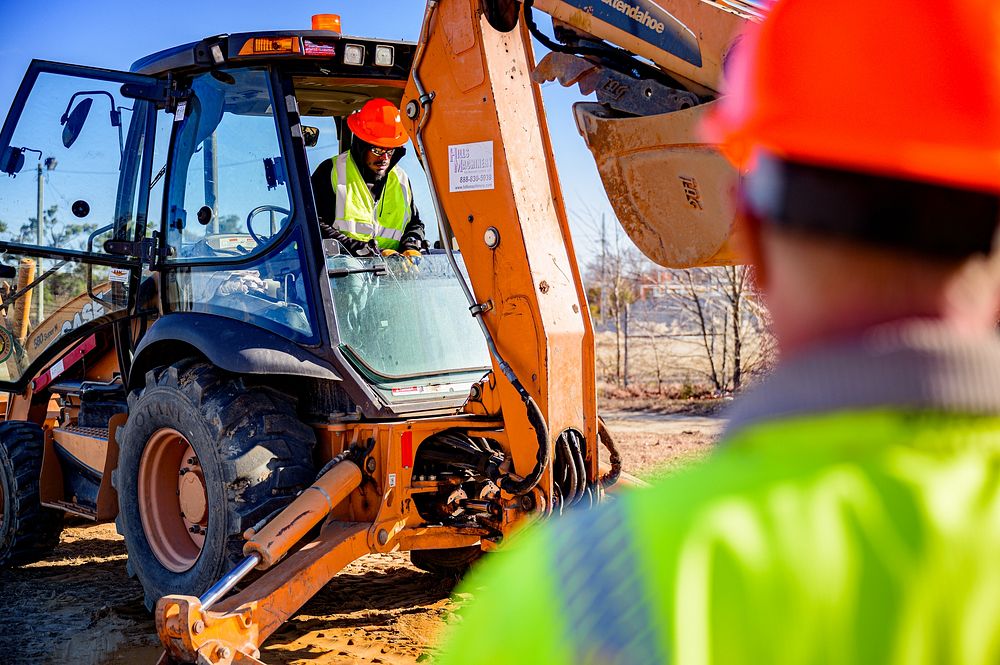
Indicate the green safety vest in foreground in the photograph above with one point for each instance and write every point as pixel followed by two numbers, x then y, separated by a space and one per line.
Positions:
pixel 863 538
pixel 358 216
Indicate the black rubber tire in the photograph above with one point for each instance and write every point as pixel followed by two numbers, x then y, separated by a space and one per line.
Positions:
pixel 452 562
pixel 28 532
pixel 255 453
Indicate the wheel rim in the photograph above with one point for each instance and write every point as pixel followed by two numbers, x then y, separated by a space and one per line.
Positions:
pixel 173 500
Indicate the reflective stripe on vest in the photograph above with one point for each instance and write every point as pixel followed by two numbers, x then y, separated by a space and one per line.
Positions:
pixel 603 598
pixel 358 216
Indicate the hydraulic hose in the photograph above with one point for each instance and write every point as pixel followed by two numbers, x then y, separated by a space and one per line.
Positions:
pixel 535 416
pixel 576 445
pixel 611 477
pixel 568 461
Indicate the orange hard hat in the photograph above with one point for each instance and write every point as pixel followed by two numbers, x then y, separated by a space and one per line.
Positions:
pixel 378 122
pixel 897 88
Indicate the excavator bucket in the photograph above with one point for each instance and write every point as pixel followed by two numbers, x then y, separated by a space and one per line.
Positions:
pixel 674 195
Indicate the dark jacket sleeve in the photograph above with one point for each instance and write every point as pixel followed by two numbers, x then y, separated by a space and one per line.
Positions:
pixel 413 234
pixel 326 210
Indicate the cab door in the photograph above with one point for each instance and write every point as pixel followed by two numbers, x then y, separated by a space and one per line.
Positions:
pixel 75 168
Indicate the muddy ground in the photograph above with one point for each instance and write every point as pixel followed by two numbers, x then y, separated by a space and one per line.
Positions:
pixel 79 607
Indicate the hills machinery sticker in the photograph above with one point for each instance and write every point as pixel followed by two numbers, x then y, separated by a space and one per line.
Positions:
pixel 470 166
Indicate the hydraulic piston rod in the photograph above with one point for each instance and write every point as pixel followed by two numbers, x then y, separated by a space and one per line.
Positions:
pixel 280 534
pixel 308 509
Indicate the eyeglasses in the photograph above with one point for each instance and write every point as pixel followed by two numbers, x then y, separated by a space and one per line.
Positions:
pixel 378 152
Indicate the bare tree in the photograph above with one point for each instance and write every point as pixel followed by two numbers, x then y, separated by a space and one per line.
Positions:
pixel 720 306
pixel 612 277
pixel 698 326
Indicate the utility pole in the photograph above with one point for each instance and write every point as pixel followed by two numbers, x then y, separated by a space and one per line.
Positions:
pixel 39 228
pixel 50 165
pixel 625 364
pixel 601 306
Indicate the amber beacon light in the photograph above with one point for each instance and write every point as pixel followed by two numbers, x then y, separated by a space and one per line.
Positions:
pixel 326 22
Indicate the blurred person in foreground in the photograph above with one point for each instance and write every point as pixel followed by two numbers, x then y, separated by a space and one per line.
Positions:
pixel 851 513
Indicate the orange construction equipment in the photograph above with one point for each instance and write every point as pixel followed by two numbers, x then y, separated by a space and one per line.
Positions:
pixel 379 123
pixel 240 395
pixel 894 108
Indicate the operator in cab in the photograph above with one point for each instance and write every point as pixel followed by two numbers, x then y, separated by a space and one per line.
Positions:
pixel 363 197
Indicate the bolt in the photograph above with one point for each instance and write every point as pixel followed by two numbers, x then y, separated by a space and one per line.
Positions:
pixel 198 627
pixel 223 653
pixel 370 465
pixel 193 461
pixel 383 536
pixel 527 502
pixel 195 529
pixel 543 287
pixel 184 470
pixel 491 237
pixel 471 219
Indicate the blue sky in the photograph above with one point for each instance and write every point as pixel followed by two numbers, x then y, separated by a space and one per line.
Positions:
pixel 112 34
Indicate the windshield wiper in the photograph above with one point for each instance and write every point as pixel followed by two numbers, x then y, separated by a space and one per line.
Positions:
pixel 377 269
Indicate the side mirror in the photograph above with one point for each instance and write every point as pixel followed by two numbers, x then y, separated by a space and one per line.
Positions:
pixel 12 160
pixel 310 136
pixel 73 122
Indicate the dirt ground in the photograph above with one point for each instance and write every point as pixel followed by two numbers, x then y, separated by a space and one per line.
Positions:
pixel 79 607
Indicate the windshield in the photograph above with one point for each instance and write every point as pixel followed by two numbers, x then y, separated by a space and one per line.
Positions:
pixel 402 320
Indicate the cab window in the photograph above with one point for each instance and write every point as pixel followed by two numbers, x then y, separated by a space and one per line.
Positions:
pixel 229 193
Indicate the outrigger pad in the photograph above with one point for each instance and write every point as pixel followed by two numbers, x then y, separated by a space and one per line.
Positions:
pixel 673 194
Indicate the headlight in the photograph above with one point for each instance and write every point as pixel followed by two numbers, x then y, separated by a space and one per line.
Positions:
pixel 354 54
pixel 384 55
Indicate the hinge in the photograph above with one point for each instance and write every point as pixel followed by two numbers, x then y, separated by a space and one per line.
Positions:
pixel 481 308
pixel 146 250
pixel 164 93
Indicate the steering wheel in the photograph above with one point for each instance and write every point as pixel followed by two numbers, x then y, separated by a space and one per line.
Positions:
pixel 256 211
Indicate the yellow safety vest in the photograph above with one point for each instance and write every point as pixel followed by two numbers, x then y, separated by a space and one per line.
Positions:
pixel 875 543
pixel 358 216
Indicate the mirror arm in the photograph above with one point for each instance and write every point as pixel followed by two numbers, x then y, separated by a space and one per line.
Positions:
pixel 116 120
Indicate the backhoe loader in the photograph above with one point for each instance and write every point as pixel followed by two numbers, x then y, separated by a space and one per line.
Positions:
pixel 255 407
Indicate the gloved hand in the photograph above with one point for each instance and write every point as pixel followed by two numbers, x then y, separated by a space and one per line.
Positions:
pixel 413 258
pixel 242 281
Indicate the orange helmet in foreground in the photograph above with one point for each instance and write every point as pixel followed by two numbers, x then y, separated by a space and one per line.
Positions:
pixel 378 122
pixel 895 88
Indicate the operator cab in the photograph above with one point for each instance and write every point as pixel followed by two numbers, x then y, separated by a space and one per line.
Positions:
pixel 208 194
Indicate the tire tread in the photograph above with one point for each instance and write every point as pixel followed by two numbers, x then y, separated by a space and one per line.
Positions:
pixel 35 529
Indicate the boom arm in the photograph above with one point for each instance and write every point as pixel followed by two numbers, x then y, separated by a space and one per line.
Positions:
pixel 476 115
pixel 486 148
